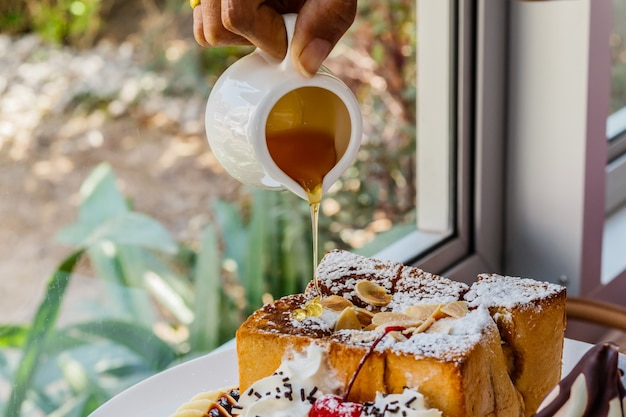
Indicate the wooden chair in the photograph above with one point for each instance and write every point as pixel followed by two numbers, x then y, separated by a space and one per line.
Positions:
pixel 597 312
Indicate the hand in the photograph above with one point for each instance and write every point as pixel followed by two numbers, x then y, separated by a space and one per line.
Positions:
pixel 320 25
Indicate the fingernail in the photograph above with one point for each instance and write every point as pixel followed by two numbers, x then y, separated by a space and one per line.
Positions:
pixel 313 55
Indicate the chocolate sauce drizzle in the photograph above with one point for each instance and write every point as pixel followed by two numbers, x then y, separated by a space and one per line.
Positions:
pixel 602 378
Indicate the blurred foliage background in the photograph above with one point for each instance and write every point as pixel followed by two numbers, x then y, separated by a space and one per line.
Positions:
pixel 170 288
pixel 162 299
pixel 618 56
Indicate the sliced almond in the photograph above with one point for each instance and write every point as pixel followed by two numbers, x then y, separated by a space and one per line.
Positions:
pixel 424 326
pixel 395 319
pixel 455 309
pixel 438 313
pixel 348 320
pixel 372 293
pixel 389 317
pixel 370 328
pixel 336 303
pixel 364 316
pixel 398 336
pixel 444 326
pixel 422 311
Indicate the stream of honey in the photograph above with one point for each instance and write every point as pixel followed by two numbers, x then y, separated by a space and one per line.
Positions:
pixel 306 155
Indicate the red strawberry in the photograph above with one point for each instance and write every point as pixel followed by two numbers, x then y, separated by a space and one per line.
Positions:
pixel 334 406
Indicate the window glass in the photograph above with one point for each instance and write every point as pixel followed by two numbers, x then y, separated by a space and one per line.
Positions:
pixel 618 57
pixel 374 203
pixel 613 264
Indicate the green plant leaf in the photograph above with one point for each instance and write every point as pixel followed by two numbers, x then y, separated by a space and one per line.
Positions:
pixel 101 198
pixel 100 201
pixel 4 367
pixel 295 259
pixel 13 335
pixel 79 406
pixel 167 297
pixel 110 262
pixel 128 228
pixel 173 274
pixel 232 226
pixel 253 269
pixel 204 330
pixel 42 326
pixel 154 352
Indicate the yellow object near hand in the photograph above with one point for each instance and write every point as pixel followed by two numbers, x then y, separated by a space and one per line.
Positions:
pixel 194 3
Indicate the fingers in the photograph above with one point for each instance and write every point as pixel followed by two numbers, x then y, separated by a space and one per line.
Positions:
pixel 320 25
pixel 198 26
pixel 258 22
pixel 208 28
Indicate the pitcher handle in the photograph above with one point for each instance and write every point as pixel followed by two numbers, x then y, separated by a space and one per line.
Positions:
pixel 290 24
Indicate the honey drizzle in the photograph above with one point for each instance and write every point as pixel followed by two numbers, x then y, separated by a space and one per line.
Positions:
pixel 306 155
pixel 315 198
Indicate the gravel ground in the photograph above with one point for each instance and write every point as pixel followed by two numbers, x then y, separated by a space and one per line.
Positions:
pixel 64 111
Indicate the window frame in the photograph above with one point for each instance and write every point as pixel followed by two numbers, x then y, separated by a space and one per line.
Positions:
pixel 441 237
pixel 502 130
pixel 473 212
pixel 616 161
pixel 557 230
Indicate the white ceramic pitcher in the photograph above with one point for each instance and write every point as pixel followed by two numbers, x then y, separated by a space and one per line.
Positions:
pixel 248 91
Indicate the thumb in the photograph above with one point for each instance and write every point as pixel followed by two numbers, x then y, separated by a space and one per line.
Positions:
pixel 320 25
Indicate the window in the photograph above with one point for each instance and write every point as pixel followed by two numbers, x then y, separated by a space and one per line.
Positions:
pixel 557 149
pixel 428 166
pixel 613 264
pixel 618 58
pixel 445 140
pixel 435 112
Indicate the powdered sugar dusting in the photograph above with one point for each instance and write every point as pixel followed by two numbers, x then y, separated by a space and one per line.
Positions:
pixel 325 322
pixel 339 271
pixel 416 286
pixel 462 336
pixel 449 339
pixel 493 290
pixel 452 341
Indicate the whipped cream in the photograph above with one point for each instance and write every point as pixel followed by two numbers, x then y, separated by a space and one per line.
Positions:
pixel 408 404
pixel 292 389
pixel 302 379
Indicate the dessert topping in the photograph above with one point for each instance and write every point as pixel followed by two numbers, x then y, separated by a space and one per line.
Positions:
pixel 335 406
pixel 336 303
pixel 455 309
pixel 372 293
pixel 312 308
pixel 348 320
pixel 397 319
pixel 342 314
pixel 407 404
pixel 292 389
pixel 422 311
pixel 219 403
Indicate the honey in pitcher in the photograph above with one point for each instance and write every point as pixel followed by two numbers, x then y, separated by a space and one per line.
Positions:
pixel 306 135
pixel 305 155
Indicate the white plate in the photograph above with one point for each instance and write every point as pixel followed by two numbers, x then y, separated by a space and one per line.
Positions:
pixel 161 394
